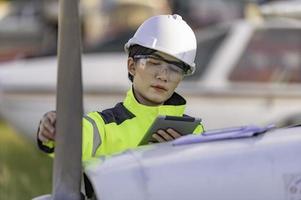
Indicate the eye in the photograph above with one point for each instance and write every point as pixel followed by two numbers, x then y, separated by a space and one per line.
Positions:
pixel 153 61
pixel 175 69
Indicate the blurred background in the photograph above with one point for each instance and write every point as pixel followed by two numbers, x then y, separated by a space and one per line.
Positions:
pixel 248 69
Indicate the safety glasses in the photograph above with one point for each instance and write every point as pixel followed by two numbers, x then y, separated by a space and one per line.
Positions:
pixel 155 64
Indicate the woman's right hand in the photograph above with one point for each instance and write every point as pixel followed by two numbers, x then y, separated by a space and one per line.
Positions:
pixel 47 127
pixel 165 135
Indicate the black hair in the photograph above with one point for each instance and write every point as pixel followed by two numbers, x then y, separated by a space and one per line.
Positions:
pixel 138 50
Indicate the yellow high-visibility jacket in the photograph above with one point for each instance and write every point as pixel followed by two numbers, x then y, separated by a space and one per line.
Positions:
pixel 122 127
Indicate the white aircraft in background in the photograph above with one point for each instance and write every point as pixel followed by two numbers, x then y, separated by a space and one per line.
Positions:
pixel 247 73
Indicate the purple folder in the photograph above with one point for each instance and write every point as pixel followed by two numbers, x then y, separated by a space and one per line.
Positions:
pixel 223 134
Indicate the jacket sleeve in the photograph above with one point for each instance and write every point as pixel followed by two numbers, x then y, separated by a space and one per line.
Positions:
pixel 199 129
pixel 88 140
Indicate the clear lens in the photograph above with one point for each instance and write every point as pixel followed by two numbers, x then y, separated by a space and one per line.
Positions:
pixel 154 65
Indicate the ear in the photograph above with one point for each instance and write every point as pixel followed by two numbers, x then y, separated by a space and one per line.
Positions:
pixel 131 66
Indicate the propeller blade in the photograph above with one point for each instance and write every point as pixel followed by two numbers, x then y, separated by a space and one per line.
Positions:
pixel 68 151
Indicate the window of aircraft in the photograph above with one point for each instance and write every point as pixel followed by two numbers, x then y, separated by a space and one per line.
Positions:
pixel 208 42
pixel 272 55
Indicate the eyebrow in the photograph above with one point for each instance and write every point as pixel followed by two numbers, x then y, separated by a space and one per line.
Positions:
pixel 164 59
pixel 175 62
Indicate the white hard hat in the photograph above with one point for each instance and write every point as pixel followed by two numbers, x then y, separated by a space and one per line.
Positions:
pixel 169 34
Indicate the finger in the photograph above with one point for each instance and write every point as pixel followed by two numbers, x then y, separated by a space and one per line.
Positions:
pixel 42 137
pixel 47 134
pixel 158 138
pixel 52 117
pixel 173 133
pixel 46 125
pixel 165 135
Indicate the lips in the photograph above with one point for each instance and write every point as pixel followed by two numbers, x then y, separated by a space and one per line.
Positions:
pixel 159 87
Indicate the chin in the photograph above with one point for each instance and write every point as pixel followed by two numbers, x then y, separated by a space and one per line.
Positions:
pixel 158 99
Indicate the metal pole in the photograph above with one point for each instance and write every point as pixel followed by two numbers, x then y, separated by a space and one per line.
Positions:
pixel 68 149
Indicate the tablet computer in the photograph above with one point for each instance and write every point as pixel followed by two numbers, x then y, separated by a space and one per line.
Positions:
pixel 183 125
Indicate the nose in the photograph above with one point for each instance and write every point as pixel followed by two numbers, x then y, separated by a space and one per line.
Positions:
pixel 162 74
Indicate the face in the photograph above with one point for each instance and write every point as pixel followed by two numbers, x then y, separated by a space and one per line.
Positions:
pixel 154 79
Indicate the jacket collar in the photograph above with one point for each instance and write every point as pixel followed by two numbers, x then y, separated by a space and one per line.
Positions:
pixel 174 106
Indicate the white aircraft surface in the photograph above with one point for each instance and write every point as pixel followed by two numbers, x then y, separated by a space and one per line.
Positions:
pixel 230 164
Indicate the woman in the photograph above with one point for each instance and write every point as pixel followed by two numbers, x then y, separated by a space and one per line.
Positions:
pixel 160 54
